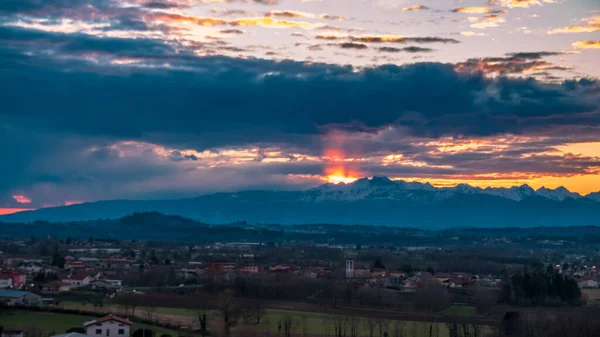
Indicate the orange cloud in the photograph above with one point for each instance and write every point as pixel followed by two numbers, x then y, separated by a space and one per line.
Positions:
pixel 587 44
pixel 73 202
pixel 488 21
pixel 273 23
pixel 415 8
pixel 520 3
pixel 478 10
pixel 21 199
pixel 289 14
pixel 258 21
pixel 167 17
pixel 588 25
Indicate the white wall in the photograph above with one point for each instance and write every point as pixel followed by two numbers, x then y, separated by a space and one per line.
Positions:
pixel 113 328
pixel 5 283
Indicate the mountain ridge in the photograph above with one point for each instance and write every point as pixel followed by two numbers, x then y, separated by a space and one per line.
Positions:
pixel 374 201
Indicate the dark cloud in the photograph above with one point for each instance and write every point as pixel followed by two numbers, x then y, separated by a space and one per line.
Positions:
pixel 411 49
pixel 220 94
pixel 400 39
pixel 352 45
pixel 231 31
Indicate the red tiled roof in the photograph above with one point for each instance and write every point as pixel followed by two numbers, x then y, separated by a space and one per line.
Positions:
pixel 108 318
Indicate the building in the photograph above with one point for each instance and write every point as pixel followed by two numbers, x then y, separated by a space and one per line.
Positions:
pixel 108 326
pixel 220 267
pixel 77 280
pixel 71 334
pixel 12 297
pixel 56 287
pixel 349 268
pixel 12 333
pixel 5 282
pixel 588 281
pixel 18 280
pixel 249 269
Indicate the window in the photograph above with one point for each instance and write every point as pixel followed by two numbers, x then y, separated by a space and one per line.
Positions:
pixel 121 331
pixel 98 331
pixel 107 332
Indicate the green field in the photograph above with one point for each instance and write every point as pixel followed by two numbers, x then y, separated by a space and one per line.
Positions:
pixel 53 323
pixel 593 296
pixel 312 323
pixel 459 310
pixel 108 307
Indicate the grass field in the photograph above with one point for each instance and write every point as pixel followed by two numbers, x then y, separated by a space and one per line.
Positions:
pixel 459 310
pixel 311 323
pixel 107 307
pixel 593 296
pixel 53 323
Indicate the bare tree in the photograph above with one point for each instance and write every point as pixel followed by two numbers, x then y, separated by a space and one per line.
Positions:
pixel 287 323
pixel 203 317
pixel 370 326
pixel 382 326
pixel 228 310
pixel 340 325
pixel 354 325
pixel 398 329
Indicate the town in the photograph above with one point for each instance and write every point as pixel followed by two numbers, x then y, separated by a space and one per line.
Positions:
pixel 457 285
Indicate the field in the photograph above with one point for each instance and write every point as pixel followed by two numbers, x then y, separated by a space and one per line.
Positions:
pixel 303 323
pixel 459 310
pixel 52 323
pixel 593 296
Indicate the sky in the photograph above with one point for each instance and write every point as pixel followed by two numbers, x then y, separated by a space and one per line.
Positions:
pixel 149 99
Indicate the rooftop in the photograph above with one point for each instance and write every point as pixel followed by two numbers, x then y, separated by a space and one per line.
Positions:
pixel 13 293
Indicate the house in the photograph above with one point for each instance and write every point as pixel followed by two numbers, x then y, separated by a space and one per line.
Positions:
pixel 249 269
pixel 588 281
pixel 5 282
pixel 77 280
pixel 108 326
pixel 220 267
pixel 12 297
pixel 56 287
pixel 18 279
pixel 12 333
pixel 71 334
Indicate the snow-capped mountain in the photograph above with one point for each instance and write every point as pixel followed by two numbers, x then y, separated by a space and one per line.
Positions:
pixel 374 201
pixel 384 188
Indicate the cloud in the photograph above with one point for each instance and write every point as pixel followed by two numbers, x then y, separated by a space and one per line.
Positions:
pixel 479 10
pixel 588 25
pixel 352 45
pixel 471 34
pixel 412 49
pixel 587 44
pixel 488 21
pixel 415 8
pixel 401 39
pixel 21 199
pixel 513 63
pixel 519 3
pixel 231 31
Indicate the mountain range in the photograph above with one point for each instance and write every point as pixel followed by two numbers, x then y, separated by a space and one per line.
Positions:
pixel 374 201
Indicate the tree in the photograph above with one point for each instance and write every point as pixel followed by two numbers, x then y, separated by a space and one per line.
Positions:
pixel 287 323
pixel 430 270
pixel 227 308
pixel 370 326
pixel 203 317
pixel 76 329
pixel 377 264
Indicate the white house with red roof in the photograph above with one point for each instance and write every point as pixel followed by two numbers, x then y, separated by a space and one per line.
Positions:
pixel 77 280
pixel 108 326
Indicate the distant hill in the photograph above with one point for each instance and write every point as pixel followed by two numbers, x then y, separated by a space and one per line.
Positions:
pixel 375 201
